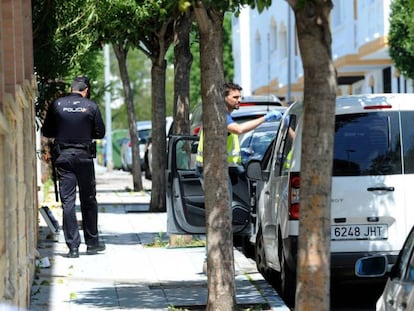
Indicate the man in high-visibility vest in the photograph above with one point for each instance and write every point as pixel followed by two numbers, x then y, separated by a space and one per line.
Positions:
pixel 232 97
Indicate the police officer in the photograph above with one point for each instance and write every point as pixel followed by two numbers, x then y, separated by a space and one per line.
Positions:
pixel 74 121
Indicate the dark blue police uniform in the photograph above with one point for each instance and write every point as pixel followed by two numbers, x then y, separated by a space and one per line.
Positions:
pixel 74 121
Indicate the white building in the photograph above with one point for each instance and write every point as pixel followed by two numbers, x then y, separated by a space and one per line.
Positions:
pixel 267 58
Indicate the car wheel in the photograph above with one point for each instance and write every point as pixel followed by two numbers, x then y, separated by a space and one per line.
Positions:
pixel 247 247
pixel 288 281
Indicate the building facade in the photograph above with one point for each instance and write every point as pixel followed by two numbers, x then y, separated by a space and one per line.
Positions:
pixel 267 57
pixel 18 169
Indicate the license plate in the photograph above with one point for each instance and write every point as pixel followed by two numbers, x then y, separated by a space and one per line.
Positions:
pixel 359 232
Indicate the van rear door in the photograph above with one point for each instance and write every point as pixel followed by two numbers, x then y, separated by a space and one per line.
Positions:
pixel 370 177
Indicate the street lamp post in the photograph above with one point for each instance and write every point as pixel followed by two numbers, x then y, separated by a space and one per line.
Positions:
pixel 108 114
pixel 289 34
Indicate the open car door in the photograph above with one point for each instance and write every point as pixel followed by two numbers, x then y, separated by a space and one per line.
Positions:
pixel 185 195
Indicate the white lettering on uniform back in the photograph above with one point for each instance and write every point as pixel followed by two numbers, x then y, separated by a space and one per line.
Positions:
pixel 78 109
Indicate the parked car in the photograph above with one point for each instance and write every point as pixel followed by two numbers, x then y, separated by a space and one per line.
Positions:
pixel 398 293
pixel 185 196
pixel 118 137
pixel 144 129
pixel 371 211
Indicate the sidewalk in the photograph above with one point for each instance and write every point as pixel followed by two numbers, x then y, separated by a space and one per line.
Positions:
pixel 131 274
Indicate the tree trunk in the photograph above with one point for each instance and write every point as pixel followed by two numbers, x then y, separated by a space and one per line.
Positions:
pixel 220 258
pixel 159 46
pixel 158 137
pixel 121 56
pixel 313 270
pixel 182 68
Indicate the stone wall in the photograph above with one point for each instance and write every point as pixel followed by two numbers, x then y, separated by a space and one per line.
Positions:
pixel 18 174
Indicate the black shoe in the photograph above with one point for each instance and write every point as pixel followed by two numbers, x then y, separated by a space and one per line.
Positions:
pixel 73 253
pixel 94 249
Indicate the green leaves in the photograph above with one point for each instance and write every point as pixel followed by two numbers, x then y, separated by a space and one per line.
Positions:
pixel 401 36
pixel 183 5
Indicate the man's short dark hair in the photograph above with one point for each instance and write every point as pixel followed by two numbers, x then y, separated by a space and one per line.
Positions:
pixel 228 86
pixel 80 84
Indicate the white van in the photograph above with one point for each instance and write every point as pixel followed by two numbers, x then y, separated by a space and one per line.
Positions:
pixel 372 180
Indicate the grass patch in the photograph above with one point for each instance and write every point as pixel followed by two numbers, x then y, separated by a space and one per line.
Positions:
pixel 176 241
pixel 158 241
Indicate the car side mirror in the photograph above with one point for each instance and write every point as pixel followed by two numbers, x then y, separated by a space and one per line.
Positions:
pixel 372 266
pixel 254 170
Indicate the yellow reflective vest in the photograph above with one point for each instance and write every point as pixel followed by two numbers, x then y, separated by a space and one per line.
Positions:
pixel 233 150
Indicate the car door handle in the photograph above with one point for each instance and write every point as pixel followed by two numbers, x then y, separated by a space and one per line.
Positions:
pixel 381 189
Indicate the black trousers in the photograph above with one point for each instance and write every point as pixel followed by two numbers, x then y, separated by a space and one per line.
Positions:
pixel 75 168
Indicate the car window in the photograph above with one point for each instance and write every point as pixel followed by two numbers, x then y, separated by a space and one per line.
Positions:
pixel 267 155
pixel 407 118
pixel 183 155
pixel 286 156
pixel 367 144
pixel 144 134
pixel 258 140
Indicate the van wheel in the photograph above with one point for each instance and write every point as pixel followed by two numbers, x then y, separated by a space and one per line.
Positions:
pixel 260 256
pixel 288 282
pixel 269 274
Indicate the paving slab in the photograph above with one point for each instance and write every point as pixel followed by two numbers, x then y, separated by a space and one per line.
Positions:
pixel 130 274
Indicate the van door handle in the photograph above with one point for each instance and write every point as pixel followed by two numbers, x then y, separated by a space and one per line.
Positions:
pixel 381 189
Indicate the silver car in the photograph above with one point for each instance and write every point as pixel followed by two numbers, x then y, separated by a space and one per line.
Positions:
pixel 398 293
pixel 144 130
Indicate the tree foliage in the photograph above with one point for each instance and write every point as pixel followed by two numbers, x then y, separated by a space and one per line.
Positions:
pixel 401 36
pixel 226 5
pixel 144 25
pixel 139 68
pixel 228 62
pixel 62 51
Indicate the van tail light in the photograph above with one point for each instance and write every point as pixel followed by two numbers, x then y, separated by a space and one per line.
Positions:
pixel 129 144
pixel 294 198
